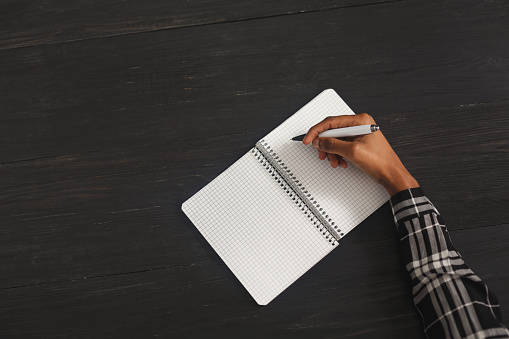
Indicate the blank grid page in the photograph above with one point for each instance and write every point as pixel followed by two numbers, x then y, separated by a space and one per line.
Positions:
pixel 263 236
pixel 348 195
pixel 258 231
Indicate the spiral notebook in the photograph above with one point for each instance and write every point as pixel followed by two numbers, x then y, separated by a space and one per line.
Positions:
pixel 279 210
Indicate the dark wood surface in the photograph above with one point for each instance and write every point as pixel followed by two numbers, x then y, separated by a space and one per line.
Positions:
pixel 114 113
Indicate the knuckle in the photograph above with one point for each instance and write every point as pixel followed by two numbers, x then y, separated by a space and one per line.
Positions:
pixel 326 144
pixel 354 150
pixel 367 119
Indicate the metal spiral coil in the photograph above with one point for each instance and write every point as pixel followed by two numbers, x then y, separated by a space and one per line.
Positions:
pixel 297 192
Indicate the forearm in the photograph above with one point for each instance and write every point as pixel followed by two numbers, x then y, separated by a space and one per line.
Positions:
pixel 452 300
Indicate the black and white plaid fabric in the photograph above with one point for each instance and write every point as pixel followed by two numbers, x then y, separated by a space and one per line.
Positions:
pixel 452 300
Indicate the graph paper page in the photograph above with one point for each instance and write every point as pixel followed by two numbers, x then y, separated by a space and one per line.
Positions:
pixel 258 231
pixel 262 235
pixel 347 196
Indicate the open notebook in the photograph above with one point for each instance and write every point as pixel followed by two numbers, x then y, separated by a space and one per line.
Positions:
pixel 279 210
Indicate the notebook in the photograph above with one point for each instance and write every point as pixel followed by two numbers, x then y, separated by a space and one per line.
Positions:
pixel 279 210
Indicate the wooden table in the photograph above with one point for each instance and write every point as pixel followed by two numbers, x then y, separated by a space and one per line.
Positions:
pixel 115 112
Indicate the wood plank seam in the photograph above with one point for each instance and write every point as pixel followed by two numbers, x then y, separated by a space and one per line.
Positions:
pixel 203 24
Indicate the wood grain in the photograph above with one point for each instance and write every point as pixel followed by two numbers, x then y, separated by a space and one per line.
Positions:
pixel 164 303
pixel 105 133
pixel 118 211
pixel 48 22
pixel 175 85
pixel 331 300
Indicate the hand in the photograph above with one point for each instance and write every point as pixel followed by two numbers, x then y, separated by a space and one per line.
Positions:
pixel 371 153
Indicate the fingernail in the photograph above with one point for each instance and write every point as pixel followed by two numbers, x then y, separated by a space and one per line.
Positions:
pixel 315 143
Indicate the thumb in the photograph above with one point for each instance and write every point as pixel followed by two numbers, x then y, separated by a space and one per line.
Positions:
pixel 334 146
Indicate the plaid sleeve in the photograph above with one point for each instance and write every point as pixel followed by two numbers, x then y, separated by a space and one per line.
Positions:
pixel 452 300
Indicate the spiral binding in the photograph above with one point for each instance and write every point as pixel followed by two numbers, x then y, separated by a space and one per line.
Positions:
pixel 295 190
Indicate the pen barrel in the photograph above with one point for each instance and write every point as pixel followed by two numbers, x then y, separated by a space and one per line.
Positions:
pixel 346 132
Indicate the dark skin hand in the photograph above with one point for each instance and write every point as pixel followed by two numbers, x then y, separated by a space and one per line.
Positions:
pixel 372 153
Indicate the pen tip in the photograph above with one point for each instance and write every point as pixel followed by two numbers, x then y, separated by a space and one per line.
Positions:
pixel 299 137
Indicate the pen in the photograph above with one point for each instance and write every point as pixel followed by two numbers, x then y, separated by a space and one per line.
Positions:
pixel 344 132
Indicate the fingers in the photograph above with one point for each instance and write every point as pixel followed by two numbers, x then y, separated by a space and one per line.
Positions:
pixel 322 155
pixel 333 160
pixel 337 122
pixel 333 149
pixel 342 161
pixel 334 146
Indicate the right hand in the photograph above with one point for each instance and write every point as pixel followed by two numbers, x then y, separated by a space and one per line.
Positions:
pixel 371 153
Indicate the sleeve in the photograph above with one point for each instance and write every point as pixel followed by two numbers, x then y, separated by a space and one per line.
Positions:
pixel 452 300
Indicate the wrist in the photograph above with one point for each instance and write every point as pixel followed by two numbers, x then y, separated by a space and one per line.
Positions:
pixel 399 180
